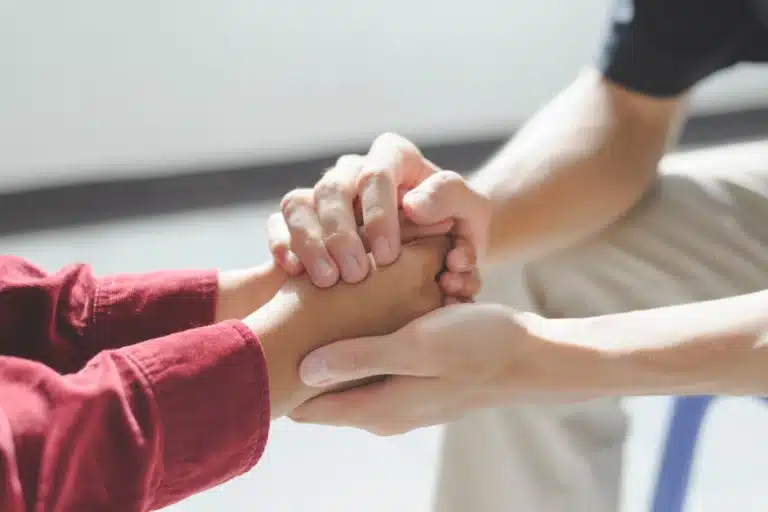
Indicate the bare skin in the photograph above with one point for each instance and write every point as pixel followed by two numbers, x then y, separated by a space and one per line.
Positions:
pixel 302 317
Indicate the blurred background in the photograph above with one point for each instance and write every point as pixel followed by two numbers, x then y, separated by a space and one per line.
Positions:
pixel 138 135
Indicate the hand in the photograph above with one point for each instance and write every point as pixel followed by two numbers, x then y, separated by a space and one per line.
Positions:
pixel 243 291
pixel 318 229
pixel 455 359
pixel 302 317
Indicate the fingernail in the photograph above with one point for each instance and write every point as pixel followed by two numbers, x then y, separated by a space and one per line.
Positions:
pixel 324 268
pixel 352 267
pixel 382 248
pixel 314 372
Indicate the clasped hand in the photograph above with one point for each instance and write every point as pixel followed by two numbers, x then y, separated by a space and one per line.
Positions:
pixel 436 366
pixel 301 317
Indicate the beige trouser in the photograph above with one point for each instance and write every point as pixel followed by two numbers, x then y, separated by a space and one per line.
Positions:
pixel 702 233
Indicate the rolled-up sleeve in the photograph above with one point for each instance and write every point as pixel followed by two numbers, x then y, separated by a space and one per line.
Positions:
pixel 118 393
pixel 65 318
pixel 137 428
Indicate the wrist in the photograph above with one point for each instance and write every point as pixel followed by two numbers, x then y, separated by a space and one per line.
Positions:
pixel 572 366
pixel 283 329
pixel 241 292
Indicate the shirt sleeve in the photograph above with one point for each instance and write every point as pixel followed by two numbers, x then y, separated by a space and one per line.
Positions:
pixel 65 318
pixel 663 48
pixel 137 428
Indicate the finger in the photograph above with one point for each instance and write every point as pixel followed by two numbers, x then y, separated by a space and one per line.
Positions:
pixel 334 198
pixel 462 285
pixel 406 163
pixel 385 408
pixel 462 257
pixel 342 408
pixel 306 237
pixel 379 208
pixel 446 195
pixel 451 300
pixel 391 162
pixel 357 207
pixel 359 358
pixel 410 231
pixel 280 245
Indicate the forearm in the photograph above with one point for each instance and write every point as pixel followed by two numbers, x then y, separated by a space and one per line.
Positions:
pixel 714 347
pixel 580 163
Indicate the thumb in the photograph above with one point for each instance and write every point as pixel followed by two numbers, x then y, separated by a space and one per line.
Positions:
pixel 355 359
pixel 446 195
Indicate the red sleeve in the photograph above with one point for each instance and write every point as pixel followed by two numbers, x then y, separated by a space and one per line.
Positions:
pixel 137 428
pixel 64 319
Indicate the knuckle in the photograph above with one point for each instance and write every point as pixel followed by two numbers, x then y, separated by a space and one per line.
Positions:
pixel 335 240
pixel 307 247
pixel 329 187
pixel 348 161
pixel 450 179
pixel 395 141
pixel 335 213
pixel 293 199
pixel 389 138
pixel 305 241
pixel 375 173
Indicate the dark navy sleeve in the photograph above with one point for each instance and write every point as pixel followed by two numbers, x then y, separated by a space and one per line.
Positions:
pixel 663 47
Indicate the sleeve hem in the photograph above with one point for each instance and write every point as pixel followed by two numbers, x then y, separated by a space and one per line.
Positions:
pixel 211 389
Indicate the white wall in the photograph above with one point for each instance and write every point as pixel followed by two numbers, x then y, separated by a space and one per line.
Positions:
pixel 93 87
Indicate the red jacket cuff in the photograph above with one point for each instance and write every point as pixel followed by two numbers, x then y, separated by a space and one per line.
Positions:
pixel 212 392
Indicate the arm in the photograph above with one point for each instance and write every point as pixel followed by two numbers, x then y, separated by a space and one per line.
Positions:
pixel 145 425
pixel 93 419
pixel 66 318
pixel 470 356
pixel 713 347
pixel 589 155
pixel 137 428
pixel 581 162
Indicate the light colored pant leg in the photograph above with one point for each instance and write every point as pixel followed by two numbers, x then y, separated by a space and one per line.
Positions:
pixel 702 233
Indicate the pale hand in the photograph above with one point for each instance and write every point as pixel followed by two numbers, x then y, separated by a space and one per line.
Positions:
pixel 453 360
